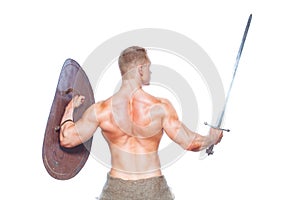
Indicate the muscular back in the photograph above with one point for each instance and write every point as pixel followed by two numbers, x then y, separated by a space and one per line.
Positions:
pixel 132 126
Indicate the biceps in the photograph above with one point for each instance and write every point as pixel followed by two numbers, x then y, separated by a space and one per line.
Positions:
pixel 174 128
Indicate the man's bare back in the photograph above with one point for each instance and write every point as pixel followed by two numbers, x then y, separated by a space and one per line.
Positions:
pixel 133 122
pixel 133 129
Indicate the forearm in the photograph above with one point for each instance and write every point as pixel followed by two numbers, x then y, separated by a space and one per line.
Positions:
pixel 67 129
pixel 68 114
pixel 201 142
pixel 193 141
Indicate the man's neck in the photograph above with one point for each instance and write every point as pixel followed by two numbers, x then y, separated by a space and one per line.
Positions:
pixel 131 85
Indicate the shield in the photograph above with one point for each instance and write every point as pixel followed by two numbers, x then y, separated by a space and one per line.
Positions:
pixel 64 163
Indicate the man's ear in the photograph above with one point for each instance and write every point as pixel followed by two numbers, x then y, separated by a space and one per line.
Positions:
pixel 140 70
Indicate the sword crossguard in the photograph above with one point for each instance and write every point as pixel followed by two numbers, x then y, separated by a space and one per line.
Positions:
pixel 207 124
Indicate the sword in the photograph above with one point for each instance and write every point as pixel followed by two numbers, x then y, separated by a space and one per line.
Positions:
pixel 218 124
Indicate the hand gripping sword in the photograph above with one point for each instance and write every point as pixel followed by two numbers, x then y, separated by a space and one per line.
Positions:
pixel 218 124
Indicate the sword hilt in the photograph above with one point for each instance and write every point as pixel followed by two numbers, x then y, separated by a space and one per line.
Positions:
pixel 209 150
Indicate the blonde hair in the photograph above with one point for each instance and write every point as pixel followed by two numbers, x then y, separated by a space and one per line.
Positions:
pixel 132 56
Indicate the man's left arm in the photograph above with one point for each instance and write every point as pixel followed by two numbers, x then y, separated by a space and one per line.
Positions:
pixel 73 134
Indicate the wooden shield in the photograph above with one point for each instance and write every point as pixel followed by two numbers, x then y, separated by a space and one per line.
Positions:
pixel 64 163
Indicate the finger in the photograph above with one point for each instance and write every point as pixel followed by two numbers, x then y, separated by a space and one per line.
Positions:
pixel 78 100
pixel 82 98
pixel 220 138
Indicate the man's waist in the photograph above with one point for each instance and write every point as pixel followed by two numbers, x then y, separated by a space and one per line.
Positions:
pixel 125 175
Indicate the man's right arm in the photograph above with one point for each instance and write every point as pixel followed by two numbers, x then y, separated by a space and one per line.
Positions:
pixel 182 135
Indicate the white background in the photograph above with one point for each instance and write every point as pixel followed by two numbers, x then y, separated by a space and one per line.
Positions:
pixel 257 159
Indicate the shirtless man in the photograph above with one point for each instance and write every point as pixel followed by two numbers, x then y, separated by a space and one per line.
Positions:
pixel 133 122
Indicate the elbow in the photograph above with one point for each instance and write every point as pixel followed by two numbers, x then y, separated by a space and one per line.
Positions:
pixel 66 141
pixel 194 148
pixel 66 144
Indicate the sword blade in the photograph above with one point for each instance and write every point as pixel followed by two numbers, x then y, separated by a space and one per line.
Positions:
pixel 219 121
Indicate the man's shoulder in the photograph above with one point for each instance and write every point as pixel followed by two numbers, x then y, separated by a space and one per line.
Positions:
pixel 162 104
pixel 163 101
pixel 103 104
pixel 166 106
pixel 157 100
